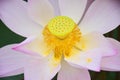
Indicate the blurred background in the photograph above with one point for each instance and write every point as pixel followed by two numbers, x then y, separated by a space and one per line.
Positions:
pixel 9 37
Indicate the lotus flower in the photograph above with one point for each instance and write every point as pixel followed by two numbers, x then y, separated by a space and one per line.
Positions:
pixel 62 36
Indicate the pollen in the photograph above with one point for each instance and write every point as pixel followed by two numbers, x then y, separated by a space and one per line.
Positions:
pixel 89 60
pixel 61 26
pixel 61 35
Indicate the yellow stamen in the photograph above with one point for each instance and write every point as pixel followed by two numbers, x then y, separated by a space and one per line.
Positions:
pixel 61 34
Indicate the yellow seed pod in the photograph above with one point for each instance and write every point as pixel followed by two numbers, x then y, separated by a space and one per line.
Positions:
pixel 61 26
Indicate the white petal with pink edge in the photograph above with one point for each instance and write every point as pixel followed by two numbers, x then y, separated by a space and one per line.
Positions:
pixel 14 14
pixel 88 59
pixel 112 63
pixel 42 69
pixel 89 51
pixel 73 8
pixel 96 40
pixel 41 11
pixel 34 46
pixel 102 16
pixel 11 62
pixel 55 4
pixel 67 72
pixel 22 47
pixel 13 73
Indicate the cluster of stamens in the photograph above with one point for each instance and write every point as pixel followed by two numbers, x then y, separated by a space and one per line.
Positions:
pixel 61 34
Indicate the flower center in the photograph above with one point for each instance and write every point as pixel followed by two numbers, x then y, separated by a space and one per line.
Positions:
pixel 61 34
pixel 61 26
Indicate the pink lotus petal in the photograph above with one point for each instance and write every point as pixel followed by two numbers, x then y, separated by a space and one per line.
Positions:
pixel 11 62
pixel 73 8
pixel 41 69
pixel 96 40
pixel 14 14
pixel 55 4
pixel 34 46
pixel 15 72
pixel 0 16
pixel 87 59
pixel 68 72
pixel 102 16
pixel 89 2
pixel 41 11
pixel 112 63
pixel 22 47
pixel 89 51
